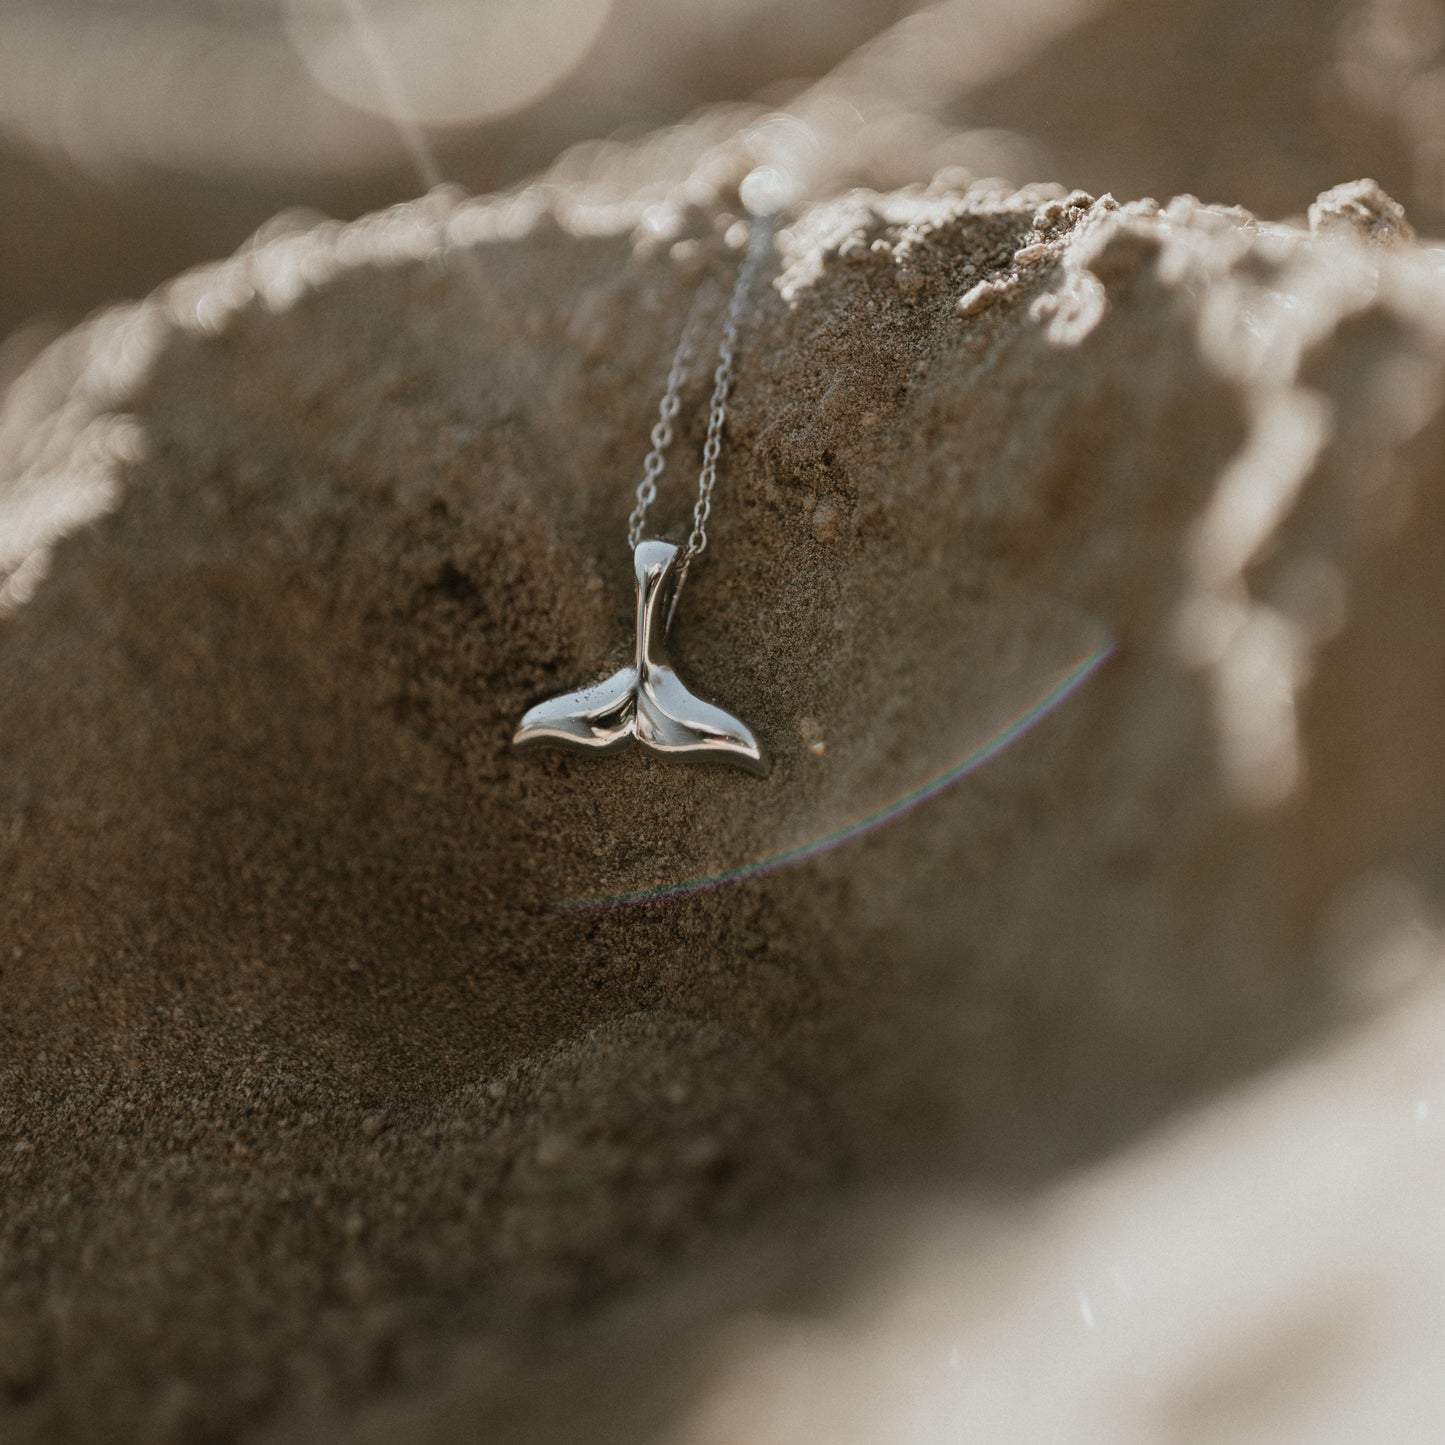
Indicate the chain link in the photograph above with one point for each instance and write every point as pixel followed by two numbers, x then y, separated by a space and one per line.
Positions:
pixel 722 379
pixel 759 240
pixel 656 460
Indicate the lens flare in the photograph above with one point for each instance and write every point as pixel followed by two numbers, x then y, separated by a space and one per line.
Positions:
pixel 455 61
pixel 1043 705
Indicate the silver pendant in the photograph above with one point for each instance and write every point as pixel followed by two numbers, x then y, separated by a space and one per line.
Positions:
pixel 646 701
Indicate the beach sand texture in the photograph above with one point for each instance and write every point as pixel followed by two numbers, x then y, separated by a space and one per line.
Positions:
pixel 340 1044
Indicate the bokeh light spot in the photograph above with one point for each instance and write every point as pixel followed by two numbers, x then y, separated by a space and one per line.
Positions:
pixel 443 62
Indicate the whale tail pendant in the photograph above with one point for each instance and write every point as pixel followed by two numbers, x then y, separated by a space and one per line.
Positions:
pixel 646 702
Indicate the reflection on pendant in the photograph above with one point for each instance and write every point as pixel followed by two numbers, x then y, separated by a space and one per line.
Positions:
pixel 647 701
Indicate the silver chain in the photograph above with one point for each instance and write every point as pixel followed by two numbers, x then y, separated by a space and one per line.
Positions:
pixel 656 460
pixel 759 239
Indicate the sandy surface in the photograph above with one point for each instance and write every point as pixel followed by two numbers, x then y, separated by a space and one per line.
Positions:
pixel 119 167
pixel 323 1108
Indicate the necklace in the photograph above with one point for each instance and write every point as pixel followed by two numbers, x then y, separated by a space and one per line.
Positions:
pixel 646 702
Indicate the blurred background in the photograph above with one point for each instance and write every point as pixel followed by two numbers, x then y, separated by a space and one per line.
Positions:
pixel 138 137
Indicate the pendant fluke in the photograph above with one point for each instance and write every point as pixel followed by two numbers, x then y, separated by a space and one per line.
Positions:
pixel 646 701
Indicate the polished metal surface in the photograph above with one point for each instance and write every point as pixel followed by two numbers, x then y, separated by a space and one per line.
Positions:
pixel 646 701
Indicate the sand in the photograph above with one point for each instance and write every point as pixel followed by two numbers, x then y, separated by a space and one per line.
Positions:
pixel 337 1101
pixel 119 173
